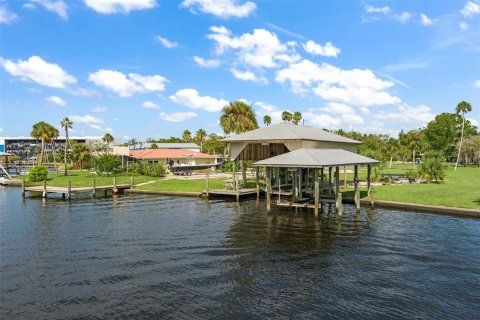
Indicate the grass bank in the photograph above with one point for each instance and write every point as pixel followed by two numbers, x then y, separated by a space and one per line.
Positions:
pixel 190 185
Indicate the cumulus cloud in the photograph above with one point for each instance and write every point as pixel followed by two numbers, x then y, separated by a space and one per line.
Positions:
pixel 166 43
pixel 221 8
pixel 260 49
pixel 58 7
pixel 248 76
pixel 127 85
pixel 405 113
pixel 463 25
pixel 37 70
pixel 56 100
pixel 119 6
pixel 328 50
pixel 321 120
pixel 470 9
pixel 425 20
pixel 376 13
pixel 358 87
pixel 99 109
pixel 338 108
pixel 206 63
pixel 402 17
pixel 91 121
pixel 150 105
pixel 352 119
pixel 6 16
pixel 177 116
pixel 191 99
pixel 372 9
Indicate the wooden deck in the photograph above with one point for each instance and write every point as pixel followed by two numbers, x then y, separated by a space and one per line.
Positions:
pixel 244 192
pixel 65 191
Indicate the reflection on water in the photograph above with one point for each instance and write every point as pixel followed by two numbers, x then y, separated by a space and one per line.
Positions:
pixel 147 257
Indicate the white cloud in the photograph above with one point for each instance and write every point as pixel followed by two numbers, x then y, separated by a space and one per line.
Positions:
pixel 1 130
pixel 355 87
pixel 91 121
pixel 421 63
pixel 6 16
pixel 29 6
pixel 248 76
pixel 126 86
pixel 474 122
pixel 408 114
pixel 338 108
pixel 463 25
pixel 166 43
pixel 265 106
pixel 352 119
pixel 402 17
pixel 37 70
pixel 426 21
pixel 57 6
pixel 177 116
pixel 119 6
pixel 321 120
pixel 150 105
pixel 470 9
pixel 372 9
pixel 191 99
pixel 221 8
pixel 56 100
pixel 476 84
pixel 207 63
pixel 99 109
pixel 260 49
pixel 328 50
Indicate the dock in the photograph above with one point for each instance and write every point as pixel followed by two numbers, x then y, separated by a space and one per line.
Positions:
pixel 240 193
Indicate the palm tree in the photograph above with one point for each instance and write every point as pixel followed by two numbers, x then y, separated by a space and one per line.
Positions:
pixel 463 107
pixel 81 153
pixel 52 135
pixel 287 116
pixel 297 117
pixel 66 124
pixel 238 117
pixel 41 130
pixel 267 120
pixel 107 138
pixel 200 137
pixel 187 135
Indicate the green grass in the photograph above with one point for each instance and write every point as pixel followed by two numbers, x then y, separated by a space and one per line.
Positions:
pixel 85 179
pixel 460 189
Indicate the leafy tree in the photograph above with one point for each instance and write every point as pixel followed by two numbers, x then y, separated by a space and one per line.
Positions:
pixel 107 163
pixel 187 135
pixel 286 116
pixel 297 117
pixel 200 137
pixel 463 107
pixel 470 150
pixel 267 120
pixel 81 154
pixel 66 124
pixel 154 146
pixel 238 117
pixel 38 173
pixel 43 131
pixel 107 138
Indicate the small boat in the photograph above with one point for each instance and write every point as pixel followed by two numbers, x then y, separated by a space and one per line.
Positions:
pixel 186 168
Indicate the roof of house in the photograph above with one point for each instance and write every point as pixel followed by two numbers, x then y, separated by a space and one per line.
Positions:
pixel 168 153
pixel 315 158
pixel 288 131
pixel 174 145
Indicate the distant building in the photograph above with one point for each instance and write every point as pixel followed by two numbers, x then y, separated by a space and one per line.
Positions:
pixel 164 156
pixel 27 147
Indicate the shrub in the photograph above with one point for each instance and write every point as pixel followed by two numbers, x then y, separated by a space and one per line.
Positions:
pixel 38 173
pixel 154 170
pixel 432 169
pixel 107 163
pixel 411 176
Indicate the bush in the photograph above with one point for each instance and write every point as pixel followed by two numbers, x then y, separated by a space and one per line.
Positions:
pixel 107 163
pixel 153 170
pixel 432 169
pixel 38 173
pixel 411 176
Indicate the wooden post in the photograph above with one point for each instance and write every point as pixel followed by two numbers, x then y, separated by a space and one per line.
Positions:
pixel 371 196
pixel 300 183
pixel 330 187
pixel 94 187
pixel 369 171
pixel 23 187
pixel 337 179
pixel 317 193
pixel 206 185
pixel 321 179
pixel 307 181
pixel 339 204
pixel 269 188
pixel 131 182
pixel 257 181
pixel 69 190
pixel 44 189
pixel 234 184
pixel 344 176
pixel 295 187
pixel 114 182
pixel 357 190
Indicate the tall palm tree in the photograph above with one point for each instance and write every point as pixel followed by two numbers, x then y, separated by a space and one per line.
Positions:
pixel 107 138
pixel 463 107
pixel 41 130
pixel 287 116
pixel 238 117
pixel 66 124
pixel 187 135
pixel 267 120
pixel 297 117
pixel 52 135
pixel 200 137
pixel 81 153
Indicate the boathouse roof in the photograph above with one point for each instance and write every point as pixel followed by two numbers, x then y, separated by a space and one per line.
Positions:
pixel 315 158
pixel 288 131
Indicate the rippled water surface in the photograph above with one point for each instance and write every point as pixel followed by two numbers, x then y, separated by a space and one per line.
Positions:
pixel 147 257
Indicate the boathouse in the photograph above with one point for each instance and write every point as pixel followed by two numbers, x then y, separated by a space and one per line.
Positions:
pixel 295 159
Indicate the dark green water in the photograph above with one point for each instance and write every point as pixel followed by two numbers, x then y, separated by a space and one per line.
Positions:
pixel 144 257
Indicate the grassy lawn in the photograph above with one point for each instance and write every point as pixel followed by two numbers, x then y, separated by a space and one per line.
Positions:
pixel 85 179
pixel 180 185
pixel 460 189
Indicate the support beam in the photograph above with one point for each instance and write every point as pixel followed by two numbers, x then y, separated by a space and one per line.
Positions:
pixel 44 189
pixel 321 179
pixel 295 185
pixel 357 190
pixel 316 193
pixel 337 179
pixel 257 181
pixel 23 187
pixel 69 190
pixel 269 188
pixel 338 204
pixel 369 172
pixel 206 185
pixel 300 183
pixel 344 176
pixel 330 187
pixel 371 196
pixel 234 182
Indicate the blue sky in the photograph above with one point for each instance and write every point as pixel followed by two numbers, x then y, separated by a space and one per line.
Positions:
pixel 152 68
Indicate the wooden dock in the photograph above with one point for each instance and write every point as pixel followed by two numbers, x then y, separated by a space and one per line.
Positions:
pixel 243 192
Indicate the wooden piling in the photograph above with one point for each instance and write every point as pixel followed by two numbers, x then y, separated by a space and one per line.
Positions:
pixel 44 195
pixel 330 187
pixel 206 185
pixel 257 181
pixel 114 182
pixel 338 204
pixel 321 179
pixel 69 189
pixel 131 182
pixel 269 188
pixel 317 193
pixel 371 196
pixel 337 180
pixel 23 187
pixel 93 188
pixel 357 190
pixel 369 172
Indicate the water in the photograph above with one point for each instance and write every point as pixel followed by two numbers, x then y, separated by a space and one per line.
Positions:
pixel 147 257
